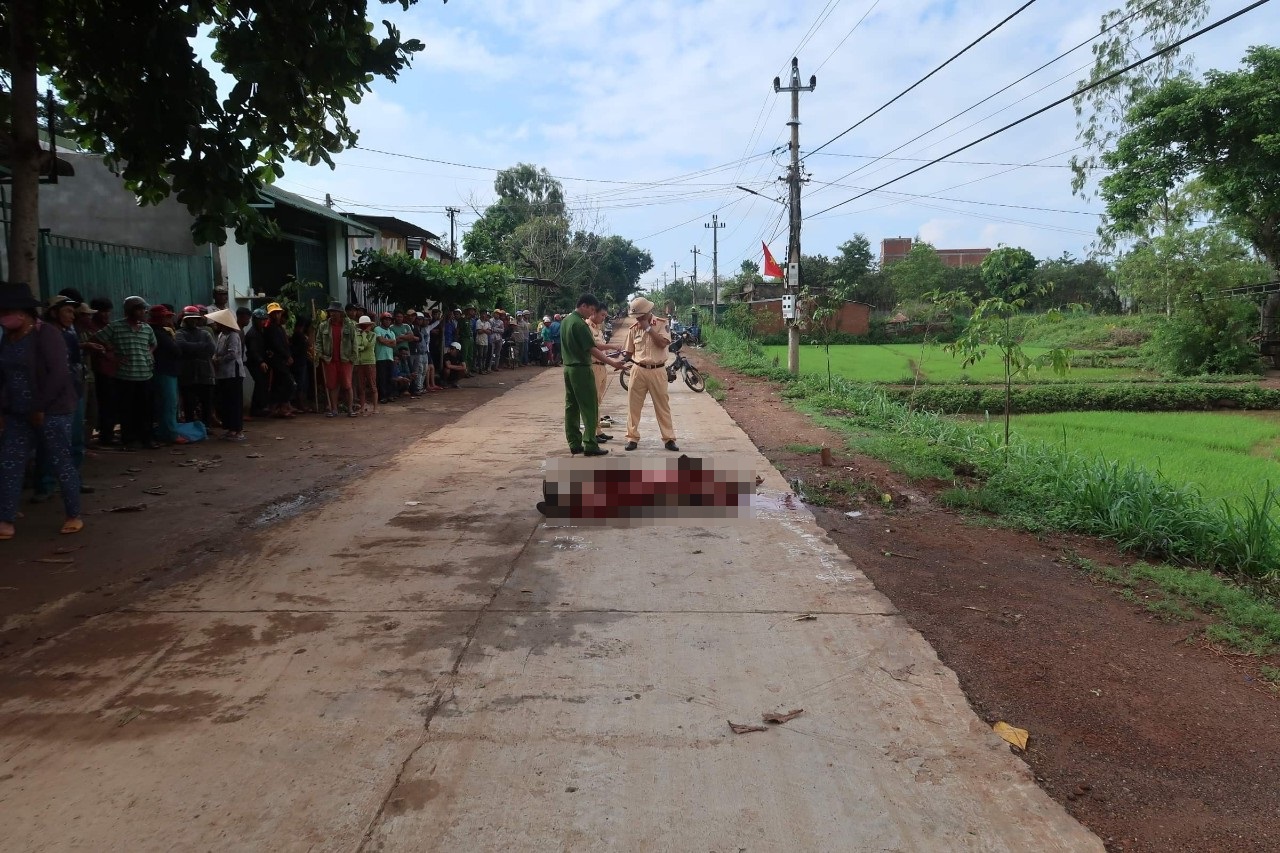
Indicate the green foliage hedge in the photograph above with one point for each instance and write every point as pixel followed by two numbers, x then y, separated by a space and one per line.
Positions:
pixel 1065 397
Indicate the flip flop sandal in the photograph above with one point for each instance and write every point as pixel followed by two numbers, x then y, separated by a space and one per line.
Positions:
pixel 72 525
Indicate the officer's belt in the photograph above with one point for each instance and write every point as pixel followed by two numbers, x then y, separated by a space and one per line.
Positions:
pixel 649 366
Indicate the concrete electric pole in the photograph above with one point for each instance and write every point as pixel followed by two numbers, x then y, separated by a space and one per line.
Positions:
pixel 715 225
pixel 696 251
pixel 794 180
pixel 453 242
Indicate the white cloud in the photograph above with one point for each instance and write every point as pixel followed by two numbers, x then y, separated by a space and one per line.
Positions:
pixel 627 91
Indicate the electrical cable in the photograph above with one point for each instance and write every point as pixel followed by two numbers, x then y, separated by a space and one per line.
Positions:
pixel 953 57
pixel 846 36
pixel 1001 91
pixel 1095 84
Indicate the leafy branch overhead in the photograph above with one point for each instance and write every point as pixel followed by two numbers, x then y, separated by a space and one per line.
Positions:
pixel 411 282
pixel 139 95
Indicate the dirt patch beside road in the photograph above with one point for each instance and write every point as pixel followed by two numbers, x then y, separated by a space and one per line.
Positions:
pixel 180 510
pixel 1154 743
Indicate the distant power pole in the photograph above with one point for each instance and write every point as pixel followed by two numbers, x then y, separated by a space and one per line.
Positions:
pixel 715 225
pixel 675 272
pixel 794 180
pixel 453 242
pixel 696 251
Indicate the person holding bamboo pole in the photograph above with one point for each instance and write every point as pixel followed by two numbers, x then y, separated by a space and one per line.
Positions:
pixel 336 352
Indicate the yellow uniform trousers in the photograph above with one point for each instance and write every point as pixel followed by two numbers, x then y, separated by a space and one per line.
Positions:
pixel 601 372
pixel 651 382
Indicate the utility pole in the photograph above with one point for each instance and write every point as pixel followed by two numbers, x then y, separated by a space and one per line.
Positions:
pixel 794 180
pixel 715 225
pixel 453 242
pixel 696 252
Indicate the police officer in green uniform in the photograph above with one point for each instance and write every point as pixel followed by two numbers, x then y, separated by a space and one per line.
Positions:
pixel 580 403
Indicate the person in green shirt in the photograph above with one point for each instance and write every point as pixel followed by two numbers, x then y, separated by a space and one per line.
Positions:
pixel 581 406
pixel 364 394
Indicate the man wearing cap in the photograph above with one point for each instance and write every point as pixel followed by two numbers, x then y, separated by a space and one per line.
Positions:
pixel 132 343
pixel 196 379
pixel 279 360
pixel 647 343
pixel 220 297
pixel 257 360
pixel 364 393
pixel 164 382
pixel 336 349
pixel 455 366
pixel 580 403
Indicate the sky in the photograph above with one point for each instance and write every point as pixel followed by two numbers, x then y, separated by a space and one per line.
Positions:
pixel 652 112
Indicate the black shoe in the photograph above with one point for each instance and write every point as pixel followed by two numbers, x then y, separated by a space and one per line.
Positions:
pixel 671 445
pixel 631 445
pixel 599 451
pixel 573 452
pixel 603 437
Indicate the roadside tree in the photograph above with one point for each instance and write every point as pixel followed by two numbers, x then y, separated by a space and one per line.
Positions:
pixel 152 109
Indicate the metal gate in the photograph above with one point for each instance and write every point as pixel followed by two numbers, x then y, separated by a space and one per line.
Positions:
pixel 117 272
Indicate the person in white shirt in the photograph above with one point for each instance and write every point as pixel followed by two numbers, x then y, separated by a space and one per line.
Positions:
pixel 482 343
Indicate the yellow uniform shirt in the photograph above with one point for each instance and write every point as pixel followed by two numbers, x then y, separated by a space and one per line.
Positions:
pixel 648 347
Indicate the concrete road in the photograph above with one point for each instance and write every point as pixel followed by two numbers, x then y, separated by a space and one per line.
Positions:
pixel 419 664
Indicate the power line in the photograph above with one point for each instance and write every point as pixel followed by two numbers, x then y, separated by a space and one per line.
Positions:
pixel 846 36
pixel 1001 91
pixel 949 162
pixel 1080 91
pixel 953 57
pixel 557 177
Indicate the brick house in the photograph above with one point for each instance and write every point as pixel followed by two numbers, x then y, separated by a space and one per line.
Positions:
pixel 853 318
pixel 896 248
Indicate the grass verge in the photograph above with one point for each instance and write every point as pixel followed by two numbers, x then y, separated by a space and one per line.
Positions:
pixel 1035 484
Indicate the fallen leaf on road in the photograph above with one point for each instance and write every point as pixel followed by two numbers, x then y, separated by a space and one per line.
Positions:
pixel 59 560
pixel 412 503
pixel 743 728
pixel 806 617
pixel 979 609
pixel 129 717
pixel 1014 737
pixel 156 491
pixel 254 456
pixel 127 508
pixel 778 717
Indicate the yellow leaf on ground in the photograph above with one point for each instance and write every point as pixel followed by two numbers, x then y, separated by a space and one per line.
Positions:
pixel 1015 737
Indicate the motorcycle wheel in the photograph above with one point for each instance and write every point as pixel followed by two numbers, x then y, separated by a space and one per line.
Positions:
pixel 623 376
pixel 694 379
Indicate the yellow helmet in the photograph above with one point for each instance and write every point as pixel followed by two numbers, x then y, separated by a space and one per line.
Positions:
pixel 273 307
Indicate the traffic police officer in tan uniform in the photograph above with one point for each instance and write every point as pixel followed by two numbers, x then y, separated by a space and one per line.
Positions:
pixel 647 343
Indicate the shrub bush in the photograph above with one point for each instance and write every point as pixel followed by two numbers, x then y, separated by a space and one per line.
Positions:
pixel 1068 397
pixel 1208 337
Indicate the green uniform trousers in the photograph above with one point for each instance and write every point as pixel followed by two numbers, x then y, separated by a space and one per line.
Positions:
pixel 580 407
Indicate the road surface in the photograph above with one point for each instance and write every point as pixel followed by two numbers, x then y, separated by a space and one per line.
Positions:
pixel 420 664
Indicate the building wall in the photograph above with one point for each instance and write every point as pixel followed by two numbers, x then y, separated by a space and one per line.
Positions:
pixel 896 248
pixel 94 205
pixel 853 318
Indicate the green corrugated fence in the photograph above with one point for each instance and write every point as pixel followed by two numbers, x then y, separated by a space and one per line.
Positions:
pixel 116 272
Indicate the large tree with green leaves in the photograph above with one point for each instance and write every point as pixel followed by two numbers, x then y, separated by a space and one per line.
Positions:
pixel 1224 132
pixel 919 273
pixel 141 98
pixel 1126 34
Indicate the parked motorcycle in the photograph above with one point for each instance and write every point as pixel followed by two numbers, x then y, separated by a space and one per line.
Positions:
pixel 681 366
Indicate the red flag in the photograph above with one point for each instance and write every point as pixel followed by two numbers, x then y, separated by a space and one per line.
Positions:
pixel 423 253
pixel 771 268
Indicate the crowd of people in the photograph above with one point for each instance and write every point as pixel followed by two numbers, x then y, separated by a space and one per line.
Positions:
pixel 75 373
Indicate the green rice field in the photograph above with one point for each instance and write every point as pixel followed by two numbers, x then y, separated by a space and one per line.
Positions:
pixel 895 363
pixel 1225 455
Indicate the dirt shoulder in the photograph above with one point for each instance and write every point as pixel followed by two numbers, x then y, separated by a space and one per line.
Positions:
pixel 1153 742
pixel 162 515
